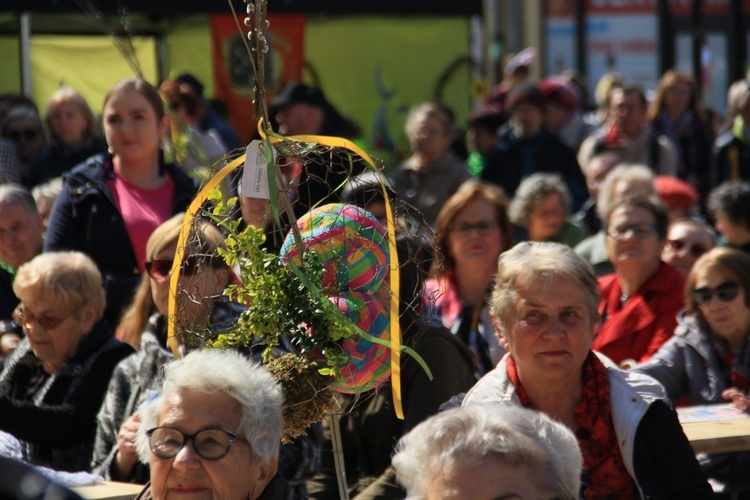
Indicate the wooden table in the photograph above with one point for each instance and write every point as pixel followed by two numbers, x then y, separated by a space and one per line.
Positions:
pixel 716 428
pixel 109 490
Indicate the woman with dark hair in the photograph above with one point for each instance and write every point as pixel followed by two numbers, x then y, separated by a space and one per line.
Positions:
pixel 74 137
pixel 111 203
pixel 473 229
pixel 640 301
pixel 676 113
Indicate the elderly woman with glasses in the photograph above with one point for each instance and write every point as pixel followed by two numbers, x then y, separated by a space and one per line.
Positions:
pixel 53 384
pixel 473 229
pixel 544 304
pixel 213 431
pixel 640 301
pixel 201 310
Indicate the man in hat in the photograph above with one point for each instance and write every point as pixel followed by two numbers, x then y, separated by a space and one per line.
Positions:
pixel 527 147
pixel 304 110
pixel 562 111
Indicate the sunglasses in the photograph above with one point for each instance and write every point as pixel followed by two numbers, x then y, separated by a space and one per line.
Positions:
pixel 161 269
pixel 726 292
pixel 25 134
pixel 174 106
pixel 694 250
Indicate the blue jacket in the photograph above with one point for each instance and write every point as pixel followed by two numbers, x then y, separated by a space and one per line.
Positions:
pixel 85 218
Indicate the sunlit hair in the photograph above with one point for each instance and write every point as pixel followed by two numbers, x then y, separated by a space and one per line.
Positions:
pixel 734 262
pixel 469 191
pixel 669 80
pixel 470 436
pixel 205 239
pixel 428 110
pixel 12 194
pixel 70 279
pixel 638 177
pixel 69 95
pixel 209 371
pixel 141 87
pixel 534 189
pixel 648 203
pixel 535 265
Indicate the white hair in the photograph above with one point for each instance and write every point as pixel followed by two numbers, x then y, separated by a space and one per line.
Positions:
pixel 212 370
pixel 470 435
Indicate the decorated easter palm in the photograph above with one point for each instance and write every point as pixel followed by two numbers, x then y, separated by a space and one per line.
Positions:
pixel 318 278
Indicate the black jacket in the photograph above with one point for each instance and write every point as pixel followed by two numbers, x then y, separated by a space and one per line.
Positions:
pixel 85 218
pixel 57 424
pixel 513 159
pixel 57 159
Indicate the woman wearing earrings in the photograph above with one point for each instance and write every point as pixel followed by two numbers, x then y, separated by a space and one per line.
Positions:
pixel 111 203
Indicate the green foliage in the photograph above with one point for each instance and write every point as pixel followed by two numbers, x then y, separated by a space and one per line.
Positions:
pixel 281 300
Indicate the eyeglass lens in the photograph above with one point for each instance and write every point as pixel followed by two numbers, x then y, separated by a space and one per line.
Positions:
pixel 25 318
pixel 211 444
pixel 26 134
pixel 482 228
pixel 161 268
pixel 640 231
pixel 726 292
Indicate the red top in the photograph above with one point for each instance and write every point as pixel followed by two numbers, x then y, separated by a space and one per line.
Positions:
pixel 637 329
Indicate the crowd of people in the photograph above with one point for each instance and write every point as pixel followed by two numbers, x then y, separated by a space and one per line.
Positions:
pixel 587 271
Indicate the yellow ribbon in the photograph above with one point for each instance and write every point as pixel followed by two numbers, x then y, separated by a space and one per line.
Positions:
pixel 395 329
pixel 174 279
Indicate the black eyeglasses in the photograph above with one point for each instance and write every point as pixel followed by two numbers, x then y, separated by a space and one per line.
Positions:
pixel 25 134
pixel 694 249
pixel 726 292
pixel 482 228
pixel 174 106
pixel 160 269
pixel 638 231
pixel 210 444
pixel 24 318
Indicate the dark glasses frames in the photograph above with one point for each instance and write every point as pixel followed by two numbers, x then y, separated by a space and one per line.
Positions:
pixel 25 134
pixel 25 318
pixel 694 250
pixel 210 444
pixel 726 292
pixel 160 270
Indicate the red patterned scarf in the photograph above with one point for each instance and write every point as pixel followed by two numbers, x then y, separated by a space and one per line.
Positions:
pixel 604 472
